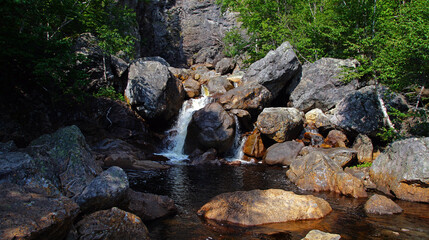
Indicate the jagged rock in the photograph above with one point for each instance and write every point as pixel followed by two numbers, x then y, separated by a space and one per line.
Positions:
pixel 341 155
pixel 106 190
pixel 364 148
pixel 319 235
pixel 275 70
pixel 192 88
pixel 219 85
pixel 29 215
pixel 318 172
pixel 112 224
pixel 210 127
pixel 403 170
pixel 361 173
pixel 283 153
pixel 258 207
pixel 250 97
pixel 149 206
pixel 254 147
pixel 153 91
pixel 225 65
pixel 321 86
pixel 280 124
pixel 378 204
pixel 206 55
pixel 336 138
pixel 317 119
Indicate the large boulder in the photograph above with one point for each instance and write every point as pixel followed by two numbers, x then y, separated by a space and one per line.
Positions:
pixel 283 153
pixel 276 70
pixel 403 170
pixel 210 127
pixel 321 85
pixel 153 91
pixel 105 191
pixel 280 124
pixel 251 97
pixel 113 224
pixel 28 215
pixel 378 204
pixel 318 172
pixel 258 207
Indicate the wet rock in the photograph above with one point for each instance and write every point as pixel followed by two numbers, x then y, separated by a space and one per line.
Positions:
pixel 336 138
pixel 317 119
pixel 244 119
pixel 210 127
pixel 105 191
pixel 321 86
pixel 250 97
pixel 318 172
pixel 283 153
pixel 378 204
pixel 280 124
pixel 204 158
pixel 258 207
pixel 149 206
pixel 364 148
pixel 225 65
pixel 361 173
pixel 153 91
pixel 254 147
pixel 219 85
pixel 319 235
pixel 403 170
pixel 275 70
pixel 28 215
pixel 192 88
pixel 112 224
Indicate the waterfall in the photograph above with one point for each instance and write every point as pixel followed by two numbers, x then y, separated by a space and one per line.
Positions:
pixel 236 151
pixel 177 135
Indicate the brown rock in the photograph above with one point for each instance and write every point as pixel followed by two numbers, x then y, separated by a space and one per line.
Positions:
pixel 317 118
pixel 378 204
pixel 247 97
pixel 283 153
pixel 336 138
pixel 280 124
pixel 342 156
pixel 192 88
pixel 258 207
pixel 364 148
pixel 112 224
pixel 363 174
pixel 314 139
pixel 254 147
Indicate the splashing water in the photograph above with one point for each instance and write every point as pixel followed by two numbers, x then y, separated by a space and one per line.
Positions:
pixel 236 152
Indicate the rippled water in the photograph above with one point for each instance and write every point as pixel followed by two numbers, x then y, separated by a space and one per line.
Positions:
pixel 191 187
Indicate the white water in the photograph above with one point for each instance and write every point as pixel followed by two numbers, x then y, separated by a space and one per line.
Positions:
pixel 236 152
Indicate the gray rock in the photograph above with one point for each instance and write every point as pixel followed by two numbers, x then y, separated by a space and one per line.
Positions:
pixel 403 169
pixel 378 204
pixel 275 70
pixel 210 127
pixel 13 163
pixel 283 153
pixel 192 88
pixel 341 155
pixel 321 86
pixel 251 97
pixel 225 65
pixel 280 124
pixel 219 85
pixel 319 235
pixel 316 118
pixel 118 65
pixel 206 55
pixel 363 146
pixel 105 191
pixel 363 174
pixel 153 91
pixel 7 147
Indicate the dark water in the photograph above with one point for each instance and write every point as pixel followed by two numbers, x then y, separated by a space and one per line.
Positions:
pixel 191 187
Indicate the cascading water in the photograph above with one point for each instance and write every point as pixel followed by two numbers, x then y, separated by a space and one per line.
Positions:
pixel 177 135
pixel 236 152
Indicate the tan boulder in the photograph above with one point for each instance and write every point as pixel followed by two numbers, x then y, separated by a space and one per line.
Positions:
pixel 254 147
pixel 378 204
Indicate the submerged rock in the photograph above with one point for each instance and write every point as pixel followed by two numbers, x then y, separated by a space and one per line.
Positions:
pixel 378 204
pixel 280 124
pixel 258 207
pixel 319 235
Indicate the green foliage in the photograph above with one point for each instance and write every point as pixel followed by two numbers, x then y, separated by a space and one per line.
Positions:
pixel 111 93
pixel 388 135
pixel 363 165
pixel 234 44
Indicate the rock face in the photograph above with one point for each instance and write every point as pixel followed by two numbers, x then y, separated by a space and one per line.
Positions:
pixel 275 70
pixel 112 224
pixel 105 191
pixel 321 86
pixel 378 204
pixel 283 153
pixel 258 207
pixel 28 215
pixel 250 97
pixel 153 91
pixel 210 127
pixel 403 170
pixel 364 148
pixel 318 172
pixel 319 235
pixel 280 124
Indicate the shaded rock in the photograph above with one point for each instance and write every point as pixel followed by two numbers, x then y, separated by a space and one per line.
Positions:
pixel 28 215
pixel 312 138
pixel 336 138
pixel 210 127
pixel 209 157
pixel 283 153
pixel 361 173
pixel 321 86
pixel 275 70
pixel 250 97
pixel 280 124
pixel 225 65
pixel 106 190
pixel 114 224
pixel 182 74
pixel 378 204
pixel 254 147
pixel 244 119
pixel 153 91
pixel 14 164
pixel 7 147
pixel 192 88
pixel 318 172
pixel 118 65
pixel 364 148
pixel 219 85
pixel 149 206
pixel 359 111
pixel 258 207
pixel 317 119
pixel 403 170
pixel 319 235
